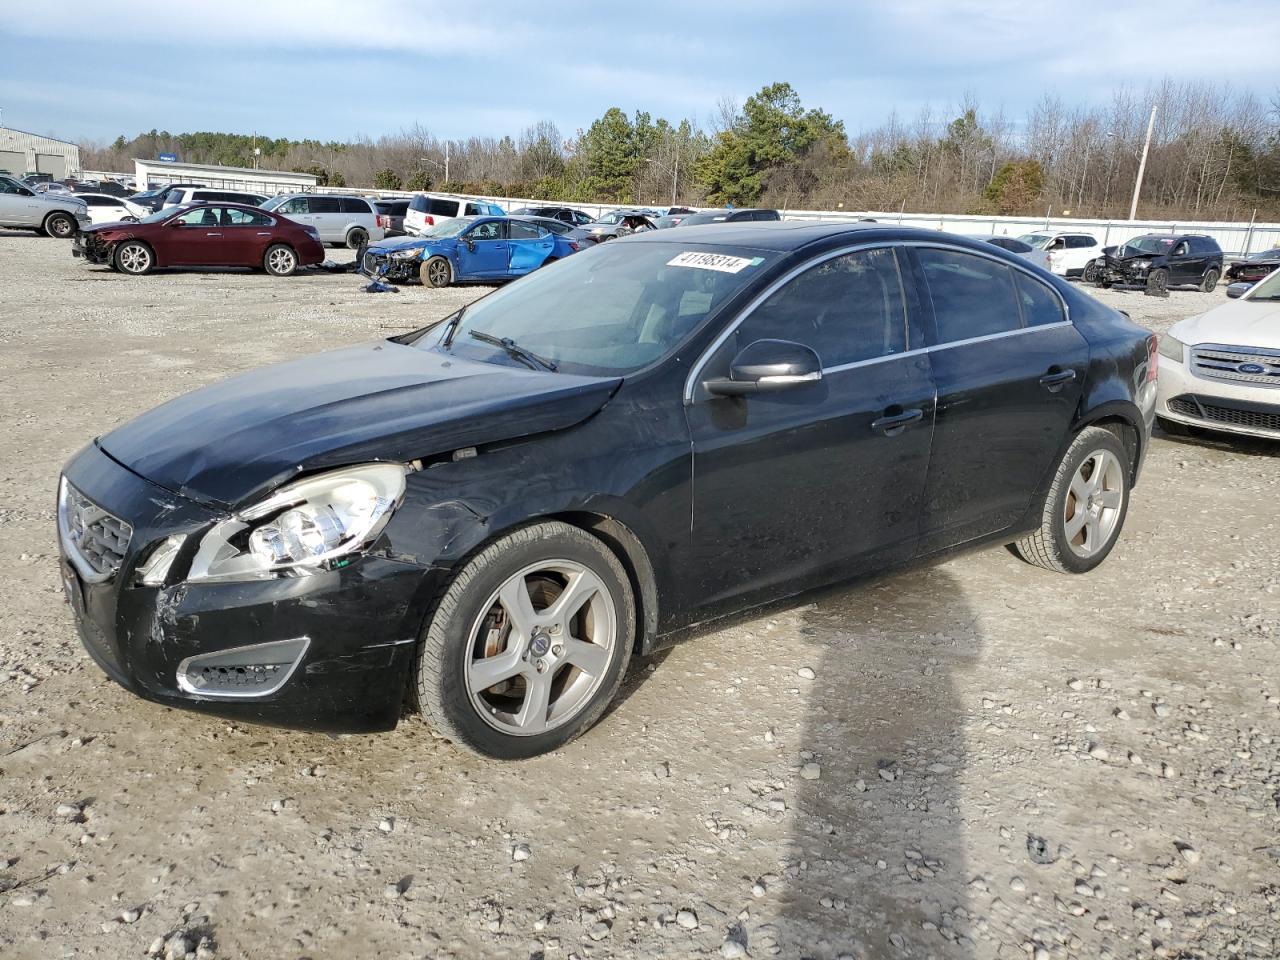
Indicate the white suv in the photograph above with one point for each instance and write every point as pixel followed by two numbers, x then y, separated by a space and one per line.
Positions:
pixel 180 195
pixel 54 214
pixel 352 221
pixel 426 210
pixel 1069 253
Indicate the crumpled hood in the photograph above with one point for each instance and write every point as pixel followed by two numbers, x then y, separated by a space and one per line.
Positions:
pixel 231 442
pixel 1237 323
pixel 397 243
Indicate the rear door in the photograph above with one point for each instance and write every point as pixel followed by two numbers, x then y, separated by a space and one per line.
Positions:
pixel 530 246
pixel 1009 369
pixel 483 252
pixel 1183 263
pixel 824 477
pixel 246 235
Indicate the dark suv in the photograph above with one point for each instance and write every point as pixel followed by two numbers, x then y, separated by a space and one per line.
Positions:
pixel 568 215
pixel 1158 262
pixel 495 512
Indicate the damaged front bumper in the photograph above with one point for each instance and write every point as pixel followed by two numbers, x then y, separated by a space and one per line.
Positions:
pixel 88 246
pixel 377 266
pixel 330 650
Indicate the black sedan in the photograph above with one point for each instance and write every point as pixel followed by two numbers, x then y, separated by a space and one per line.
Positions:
pixel 498 511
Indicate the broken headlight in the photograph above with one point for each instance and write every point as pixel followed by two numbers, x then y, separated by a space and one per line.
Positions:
pixel 302 526
pixel 411 253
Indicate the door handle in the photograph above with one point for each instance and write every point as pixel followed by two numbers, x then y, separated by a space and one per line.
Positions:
pixel 266 233
pixel 892 424
pixel 1056 380
pixel 213 234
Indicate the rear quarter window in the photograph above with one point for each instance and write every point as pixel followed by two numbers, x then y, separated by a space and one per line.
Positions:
pixel 354 205
pixel 1040 305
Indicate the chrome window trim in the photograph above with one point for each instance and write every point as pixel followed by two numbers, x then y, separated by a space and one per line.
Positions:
pixel 791 274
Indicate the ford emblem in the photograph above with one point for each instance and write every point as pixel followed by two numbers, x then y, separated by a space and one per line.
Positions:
pixel 1252 369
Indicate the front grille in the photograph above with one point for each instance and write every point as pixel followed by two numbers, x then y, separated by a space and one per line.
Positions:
pixel 1214 362
pixel 99 539
pixel 1256 416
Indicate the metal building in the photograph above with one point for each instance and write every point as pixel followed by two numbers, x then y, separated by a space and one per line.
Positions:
pixel 22 153
pixel 157 173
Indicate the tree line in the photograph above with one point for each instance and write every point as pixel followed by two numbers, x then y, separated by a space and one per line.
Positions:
pixel 1215 155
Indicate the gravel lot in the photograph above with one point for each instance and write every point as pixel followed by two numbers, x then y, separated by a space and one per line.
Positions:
pixel 973 759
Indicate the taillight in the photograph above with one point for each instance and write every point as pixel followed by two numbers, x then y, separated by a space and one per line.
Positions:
pixel 429 220
pixel 1153 359
pixel 573 244
pixel 384 221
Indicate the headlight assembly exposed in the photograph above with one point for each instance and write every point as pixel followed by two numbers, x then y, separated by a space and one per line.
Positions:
pixel 1172 347
pixel 411 253
pixel 302 526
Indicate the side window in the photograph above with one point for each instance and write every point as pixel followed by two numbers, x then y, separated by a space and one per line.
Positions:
pixel 173 196
pixel 444 208
pixel 324 205
pixel 849 308
pixel 1180 250
pixel 205 216
pixel 1039 304
pixel 489 230
pixel 95 201
pixel 353 205
pixel 523 231
pixel 295 205
pixel 473 210
pixel 1081 242
pixel 972 296
pixel 245 218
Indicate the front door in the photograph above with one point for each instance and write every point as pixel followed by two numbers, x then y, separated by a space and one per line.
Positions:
pixel 18 205
pixel 482 251
pixel 1009 369
pixel 197 238
pixel 836 467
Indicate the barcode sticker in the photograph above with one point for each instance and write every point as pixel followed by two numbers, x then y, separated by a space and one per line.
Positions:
pixel 710 261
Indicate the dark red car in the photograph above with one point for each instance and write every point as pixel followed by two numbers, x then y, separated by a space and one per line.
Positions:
pixel 202 235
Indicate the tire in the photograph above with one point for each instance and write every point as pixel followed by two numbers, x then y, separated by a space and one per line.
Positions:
pixel 1052 546
pixel 1158 283
pixel 1173 428
pixel 1090 274
pixel 59 225
pixel 134 258
pixel 473 626
pixel 357 237
pixel 280 260
pixel 436 272
pixel 1210 280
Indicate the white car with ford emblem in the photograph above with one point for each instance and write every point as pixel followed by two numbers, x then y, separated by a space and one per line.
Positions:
pixel 1221 370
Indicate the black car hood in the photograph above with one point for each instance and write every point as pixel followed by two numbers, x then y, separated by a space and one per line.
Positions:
pixel 231 442
pixel 1135 256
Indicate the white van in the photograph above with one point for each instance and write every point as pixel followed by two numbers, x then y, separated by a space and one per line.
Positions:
pixel 427 209
pixel 180 195
pixel 352 221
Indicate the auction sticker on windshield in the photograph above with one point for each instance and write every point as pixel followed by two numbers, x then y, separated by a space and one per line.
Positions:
pixel 712 261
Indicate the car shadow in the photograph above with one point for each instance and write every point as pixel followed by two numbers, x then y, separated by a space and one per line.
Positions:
pixel 1223 442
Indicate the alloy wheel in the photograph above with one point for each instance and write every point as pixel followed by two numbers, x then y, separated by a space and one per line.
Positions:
pixel 281 260
pixel 1092 509
pixel 541 648
pixel 61 227
pixel 438 273
pixel 135 258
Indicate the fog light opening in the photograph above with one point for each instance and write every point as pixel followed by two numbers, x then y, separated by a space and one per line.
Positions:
pixel 257 670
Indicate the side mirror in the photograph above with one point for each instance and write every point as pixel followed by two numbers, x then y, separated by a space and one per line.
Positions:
pixel 470 244
pixel 766 366
pixel 1237 290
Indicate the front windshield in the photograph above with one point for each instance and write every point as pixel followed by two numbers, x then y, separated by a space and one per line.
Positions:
pixel 1267 255
pixel 161 215
pixel 448 228
pixel 274 202
pixel 1268 288
pixel 608 311
pixel 1147 245
pixel 1037 240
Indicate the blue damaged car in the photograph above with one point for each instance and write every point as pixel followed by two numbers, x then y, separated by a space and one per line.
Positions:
pixel 467 249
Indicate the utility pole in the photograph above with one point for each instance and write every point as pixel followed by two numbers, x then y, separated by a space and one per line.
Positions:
pixel 1142 165
pixel 446 161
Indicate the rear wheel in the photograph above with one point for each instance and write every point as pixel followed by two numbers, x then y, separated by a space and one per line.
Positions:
pixel 357 237
pixel 134 257
pixel 436 272
pixel 1085 508
pixel 60 225
pixel 280 260
pixel 529 643
pixel 1210 280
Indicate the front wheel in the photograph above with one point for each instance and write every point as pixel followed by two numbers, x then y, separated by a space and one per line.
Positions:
pixel 1210 280
pixel 280 260
pixel 357 238
pixel 134 257
pixel 436 272
pixel 1158 283
pixel 1085 507
pixel 529 643
pixel 60 225
pixel 1090 274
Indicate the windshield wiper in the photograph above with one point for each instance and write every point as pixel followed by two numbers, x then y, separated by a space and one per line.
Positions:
pixel 513 348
